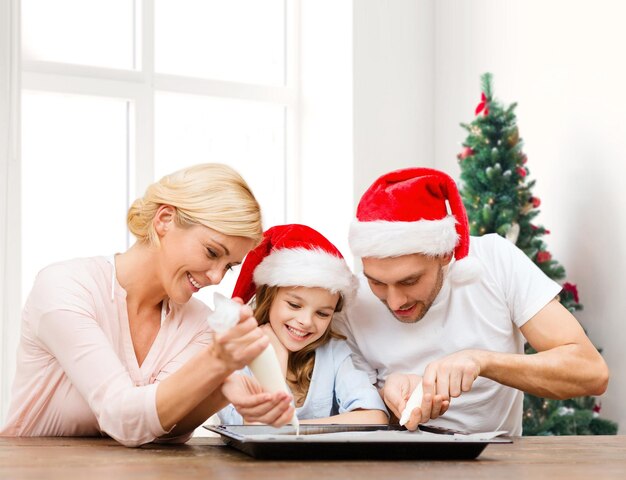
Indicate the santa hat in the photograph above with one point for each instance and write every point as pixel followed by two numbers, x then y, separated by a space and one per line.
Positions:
pixel 295 256
pixel 415 210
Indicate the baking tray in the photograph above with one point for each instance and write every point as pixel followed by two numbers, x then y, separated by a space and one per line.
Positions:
pixel 380 442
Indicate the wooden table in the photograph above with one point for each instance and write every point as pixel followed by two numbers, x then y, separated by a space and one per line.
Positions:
pixel 536 458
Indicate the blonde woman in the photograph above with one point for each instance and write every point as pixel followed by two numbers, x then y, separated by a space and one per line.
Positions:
pixel 118 346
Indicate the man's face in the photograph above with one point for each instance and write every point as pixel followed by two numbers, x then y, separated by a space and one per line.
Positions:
pixel 407 285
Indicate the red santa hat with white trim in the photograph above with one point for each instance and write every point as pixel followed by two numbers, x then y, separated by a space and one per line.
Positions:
pixel 414 210
pixel 295 256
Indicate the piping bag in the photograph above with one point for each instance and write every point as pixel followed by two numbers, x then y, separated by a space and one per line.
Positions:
pixel 415 400
pixel 265 367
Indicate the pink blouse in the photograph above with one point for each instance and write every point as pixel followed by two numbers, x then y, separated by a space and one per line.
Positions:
pixel 77 373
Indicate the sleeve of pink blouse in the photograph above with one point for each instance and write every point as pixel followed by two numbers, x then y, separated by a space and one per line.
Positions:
pixel 124 411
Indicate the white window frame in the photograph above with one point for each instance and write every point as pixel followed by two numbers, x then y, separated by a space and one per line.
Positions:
pixel 139 87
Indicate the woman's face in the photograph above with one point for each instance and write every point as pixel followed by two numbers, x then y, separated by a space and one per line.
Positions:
pixel 195 257
pixel 301 315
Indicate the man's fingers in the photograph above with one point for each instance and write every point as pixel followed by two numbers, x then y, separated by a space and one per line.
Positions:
pixel 427 405
pixel 468 381
pixel 456 379
pixel 444 406
pixel 414 419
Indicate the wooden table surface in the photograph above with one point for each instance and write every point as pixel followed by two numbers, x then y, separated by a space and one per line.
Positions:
pixel 536 458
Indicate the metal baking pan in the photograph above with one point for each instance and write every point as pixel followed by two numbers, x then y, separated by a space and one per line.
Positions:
pixel 379 442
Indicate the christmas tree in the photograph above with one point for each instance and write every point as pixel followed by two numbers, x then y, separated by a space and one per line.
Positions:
pixel 497 194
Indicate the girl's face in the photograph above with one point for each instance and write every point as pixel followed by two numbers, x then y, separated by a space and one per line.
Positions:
pixel 301 315
pixel 195 257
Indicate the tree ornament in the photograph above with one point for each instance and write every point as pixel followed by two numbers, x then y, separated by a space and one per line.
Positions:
pixel 535 201
pixel 513 233
pixel 483 106
pixel 466 152
pixel 475 130
pixel 571 288
pixel 513 137
pixel 521 171
pixel 543 256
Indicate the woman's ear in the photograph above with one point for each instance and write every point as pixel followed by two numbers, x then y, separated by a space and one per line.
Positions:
pixel 163 219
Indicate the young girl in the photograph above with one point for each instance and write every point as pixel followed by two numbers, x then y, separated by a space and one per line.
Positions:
pixel 301 283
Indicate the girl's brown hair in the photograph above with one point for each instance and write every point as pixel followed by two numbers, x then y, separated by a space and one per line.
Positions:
pixel 300 364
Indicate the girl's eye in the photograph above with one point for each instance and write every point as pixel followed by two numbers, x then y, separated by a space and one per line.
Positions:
pixel 228 268
pixel 293 305
pixel 323 314
pixel 211 253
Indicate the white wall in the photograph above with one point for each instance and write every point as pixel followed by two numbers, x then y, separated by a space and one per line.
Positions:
pixel 564 62
pixel 325 145
pixel 394 59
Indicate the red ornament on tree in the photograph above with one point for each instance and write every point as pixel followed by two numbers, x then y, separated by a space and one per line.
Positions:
pixel 543 257
pixel 521 171
pixel 466 152
pixel 524 159
pixel 571 288
pixel 483 106
pixel 535 201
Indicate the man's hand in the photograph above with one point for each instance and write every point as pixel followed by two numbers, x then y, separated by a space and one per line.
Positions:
pixel 254 404
pixel 453 374
pixel 396 392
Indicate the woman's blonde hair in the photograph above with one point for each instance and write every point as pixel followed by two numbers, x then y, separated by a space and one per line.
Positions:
pixel 209 194
pixel 300 363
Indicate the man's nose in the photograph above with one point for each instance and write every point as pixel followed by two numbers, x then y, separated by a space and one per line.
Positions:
pixel 395 298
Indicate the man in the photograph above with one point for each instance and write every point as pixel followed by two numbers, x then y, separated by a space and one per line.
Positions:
pixel 454 314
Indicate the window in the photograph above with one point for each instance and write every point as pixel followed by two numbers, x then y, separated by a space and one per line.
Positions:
pixel 118 93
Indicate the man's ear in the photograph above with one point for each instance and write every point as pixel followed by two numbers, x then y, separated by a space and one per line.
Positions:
pixel 163 219
pixel 445 259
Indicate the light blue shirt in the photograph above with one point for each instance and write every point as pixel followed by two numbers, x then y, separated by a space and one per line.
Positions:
pixel 336 387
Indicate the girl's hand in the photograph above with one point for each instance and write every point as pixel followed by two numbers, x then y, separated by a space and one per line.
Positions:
pixel 281 351
pixel 241 344
pixel 254 404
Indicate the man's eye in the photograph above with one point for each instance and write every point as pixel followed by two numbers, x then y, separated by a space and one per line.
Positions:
pixel 408 284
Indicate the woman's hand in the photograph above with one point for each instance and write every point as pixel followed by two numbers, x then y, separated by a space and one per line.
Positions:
pixel 254 404
pixel 241 344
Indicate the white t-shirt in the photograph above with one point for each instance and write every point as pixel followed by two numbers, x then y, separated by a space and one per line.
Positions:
pixel 485 314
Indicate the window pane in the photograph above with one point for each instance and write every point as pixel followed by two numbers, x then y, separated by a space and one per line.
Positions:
pixel 236 40
pixel 86 32
pixel 74 179
pixel 247 136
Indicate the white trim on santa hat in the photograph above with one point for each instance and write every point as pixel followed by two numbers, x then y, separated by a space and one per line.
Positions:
pixel 383 239
pixel 301 267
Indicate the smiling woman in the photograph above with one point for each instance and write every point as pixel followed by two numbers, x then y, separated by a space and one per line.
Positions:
pixel 117 345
